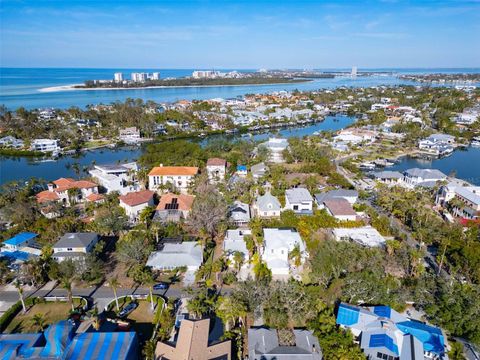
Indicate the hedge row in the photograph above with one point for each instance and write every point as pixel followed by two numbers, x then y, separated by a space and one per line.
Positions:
pixel 8 315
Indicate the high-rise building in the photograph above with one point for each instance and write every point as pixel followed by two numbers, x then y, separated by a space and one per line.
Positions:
pixel 118 77
pixel 155 76
pixel 139 77
pixel 354 71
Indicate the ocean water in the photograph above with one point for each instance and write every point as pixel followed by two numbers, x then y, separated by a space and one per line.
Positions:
pixel 20 87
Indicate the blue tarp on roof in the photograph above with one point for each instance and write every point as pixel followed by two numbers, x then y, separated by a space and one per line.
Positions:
pixel 383 340
pixel 430 336
pixel 241 168
pixel 16 255
pixel 383 311
pixel 12 345
pixel 58 337
pixel 20 238
pixel 347 315
pixel 105 346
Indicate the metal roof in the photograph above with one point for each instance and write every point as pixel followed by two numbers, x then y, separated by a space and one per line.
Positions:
pixel 20 238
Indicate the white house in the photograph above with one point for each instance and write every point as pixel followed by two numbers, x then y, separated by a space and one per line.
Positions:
pixel 45 145
pixel 235 242
pixel 134 202
pixel 129 135
pixel 276 146
pixel 350 195
pixel 267 206
pixel 216 169
pixel 437 144
pixel 468 196
pixel 277 245
pixel 120 178
pixel 180 177
pixel 258 170
pixel 422 177
pixel 68 191
pixel 74 246
pixel 340 209
pixel 299 200
pixel 365 236
pixel 389 177
pixel 239 213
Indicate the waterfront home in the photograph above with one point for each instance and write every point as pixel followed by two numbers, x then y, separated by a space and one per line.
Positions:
pixel 267 206
pixel 422 177
pixel 179 177
pixel 299 200
pixel 276 146
pixel 129 135
pixel 74 246
pixel 340 209
pixel 258 170
pixel 135 202
pixel 113 177
pixel 464 200
pixel 350 195
pixel 277 245
pixel 269 344
pixel 68 191
pixel 11 142
pixel 62 340
pixel 173 207
pixel 46 146
pixel 21 247
pixel 389 177
pixel 193 342
pixel 437 144
pixel 216 169
pixel 383 333
pixel 239 213
pixel 235 242
pixel 365 236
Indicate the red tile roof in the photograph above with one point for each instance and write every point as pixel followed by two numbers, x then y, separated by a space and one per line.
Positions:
pixel 216 162
pixel 136 198
pixel 46 196
pixel 184 201
pixel 95 197
pixel 64 184
pixel 173 170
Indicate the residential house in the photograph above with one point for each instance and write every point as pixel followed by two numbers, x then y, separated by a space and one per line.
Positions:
pixel 216 169
pixel 129 135
pixel 267 206
pixel 299 200
pixel 383 333
pixel 21 247
pixel 276 146
pixel 266 344
pixel 340 209
pixel 180 177
pixel 235 242
pixel 258 170
pixel 437 144
pixel 389 177
pixel 63 340
pixel 173 207
pixel 113 177
pixel 239 213
pixel 74 246
pixel 277 245
pixel 364 235
pixel 45 145
pixel 242 171
pixel 134 202
pixel 193 343
pixel 423 177
pixel 350 195
pixel 11 142
pixel 68 191
pixel 464 200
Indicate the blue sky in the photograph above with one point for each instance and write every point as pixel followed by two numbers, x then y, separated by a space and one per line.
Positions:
pixel 240 34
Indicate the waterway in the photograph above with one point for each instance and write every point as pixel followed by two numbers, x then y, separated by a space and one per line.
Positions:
pixel 463 164
pixel 21 168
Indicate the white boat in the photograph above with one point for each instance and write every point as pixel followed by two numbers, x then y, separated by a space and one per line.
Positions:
pixel 367 166
pixel 475 142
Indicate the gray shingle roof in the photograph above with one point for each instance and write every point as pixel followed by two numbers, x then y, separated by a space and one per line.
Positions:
pixel 71 240
pixel 388 175
pixel 426 174
pixel 298 195
pixel 268 202
pixel 335 194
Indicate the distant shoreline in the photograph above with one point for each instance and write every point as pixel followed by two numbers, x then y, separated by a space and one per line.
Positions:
pixel 75 87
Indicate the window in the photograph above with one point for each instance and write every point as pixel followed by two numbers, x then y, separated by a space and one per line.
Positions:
pixel 272 251
pixel 69 249
pixel 282 252
pixel 379 355
pixel 385 357
pixel 295 207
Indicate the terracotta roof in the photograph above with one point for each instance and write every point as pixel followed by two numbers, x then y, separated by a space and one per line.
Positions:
pixel 64 184
pixel 339 207
pixel 63 181
pixel 136 198
pixel 184 201
pixel 173 170
pixel 95 197
pixel 46 196
pixel 216 162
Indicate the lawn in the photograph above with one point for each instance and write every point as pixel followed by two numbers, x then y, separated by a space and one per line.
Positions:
pixel 142 320
pixel 52 312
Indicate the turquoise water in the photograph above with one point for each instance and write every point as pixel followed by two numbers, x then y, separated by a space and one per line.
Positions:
pixel 20 86
pixel 15 168
pixel 464 162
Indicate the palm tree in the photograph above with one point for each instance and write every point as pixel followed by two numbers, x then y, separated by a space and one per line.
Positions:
pixel 296 256
pixel 20 293
pixel 238 258
pixel 149 349
pixel 38 320
pixel 113 282
pixel 67 285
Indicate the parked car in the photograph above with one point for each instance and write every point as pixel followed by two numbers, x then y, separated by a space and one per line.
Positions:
pixel 160 286
pixel 127 309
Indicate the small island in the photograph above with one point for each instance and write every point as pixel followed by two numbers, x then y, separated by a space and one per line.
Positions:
pixel 204 78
